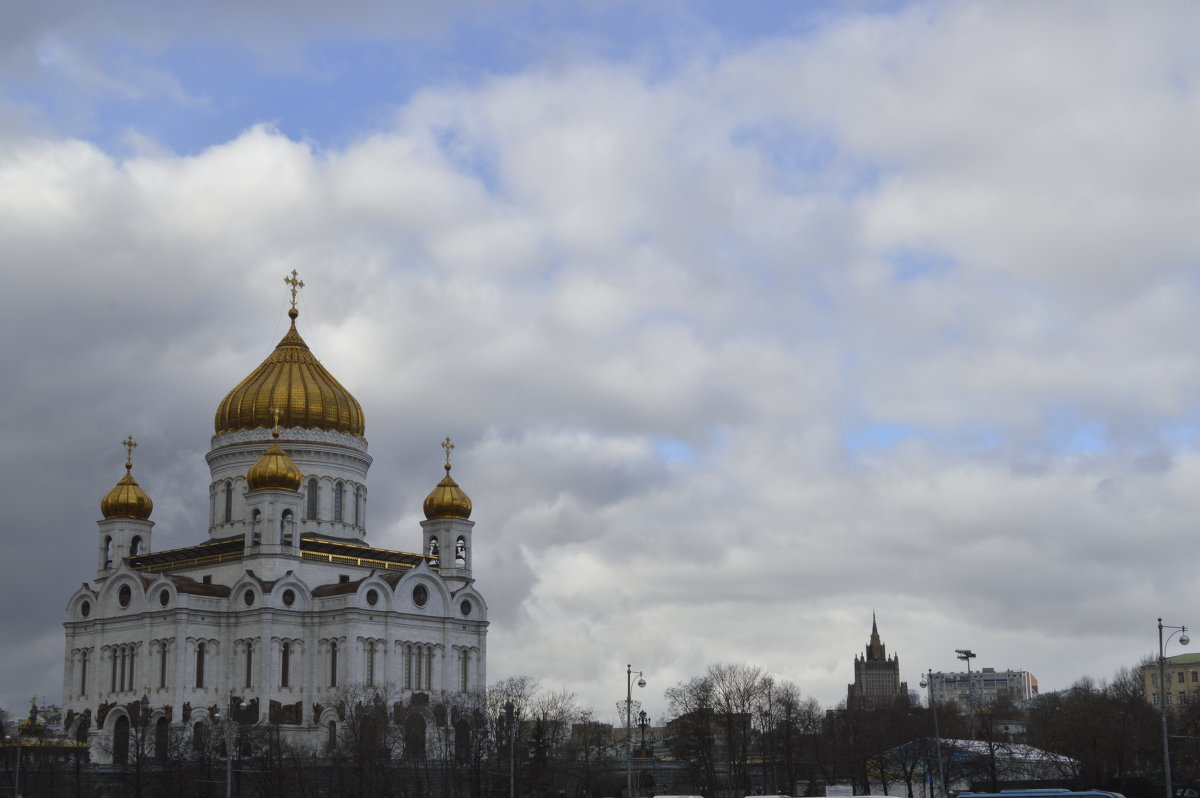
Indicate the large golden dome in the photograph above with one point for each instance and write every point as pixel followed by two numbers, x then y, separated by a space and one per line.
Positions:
pixel 127 499
pixel 274 470
pixel 293 380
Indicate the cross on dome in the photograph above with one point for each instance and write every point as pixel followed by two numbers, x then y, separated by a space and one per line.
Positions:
pixel 296 283
pixel 129 445
pixel 448 446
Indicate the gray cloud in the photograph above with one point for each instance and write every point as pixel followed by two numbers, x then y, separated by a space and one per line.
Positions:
pixel 896 316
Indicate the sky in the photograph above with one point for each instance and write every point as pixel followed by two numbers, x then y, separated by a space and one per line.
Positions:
pixel 747 320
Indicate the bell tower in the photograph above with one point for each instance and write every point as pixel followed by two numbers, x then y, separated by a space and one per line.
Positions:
pixel 447 528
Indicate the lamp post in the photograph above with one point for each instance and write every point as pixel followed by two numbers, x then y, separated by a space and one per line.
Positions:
pixel 509 708
pixel 629 671
pixel 643 722
pixel 234 703
pixel 1162 691
pixel 966 655
pixel 927 681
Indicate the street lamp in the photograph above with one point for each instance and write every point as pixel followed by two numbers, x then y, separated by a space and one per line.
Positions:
pixel 643 722
pixel 234 703
pixel 966 655
pixel 629 671
pixel 509 708
pixel 927 681
pixel 1162 688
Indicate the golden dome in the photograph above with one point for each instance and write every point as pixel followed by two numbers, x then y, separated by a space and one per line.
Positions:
pixel 447 500
pixel 274 470
pixel 293 380
pixel 127 499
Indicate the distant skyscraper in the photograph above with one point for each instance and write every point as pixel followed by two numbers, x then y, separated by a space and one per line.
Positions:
pixel 876 676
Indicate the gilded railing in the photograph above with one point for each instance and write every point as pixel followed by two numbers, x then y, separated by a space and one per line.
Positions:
pixel 208 559
pixel 364 562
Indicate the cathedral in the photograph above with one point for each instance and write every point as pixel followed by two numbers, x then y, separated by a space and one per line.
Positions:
pixel 876 676
pixel 285 607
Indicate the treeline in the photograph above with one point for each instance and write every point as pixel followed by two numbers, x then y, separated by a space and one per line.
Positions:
pixel 732 731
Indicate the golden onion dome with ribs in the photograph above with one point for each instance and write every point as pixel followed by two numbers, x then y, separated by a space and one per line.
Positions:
pixel 293 380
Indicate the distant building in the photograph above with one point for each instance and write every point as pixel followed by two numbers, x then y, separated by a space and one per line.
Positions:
pixel 984 687
pixel 876 676
pixel 1183 680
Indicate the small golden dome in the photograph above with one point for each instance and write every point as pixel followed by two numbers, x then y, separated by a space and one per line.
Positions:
pixel 292 379
pixel 274 470
pixel 447 500
pixel 127 499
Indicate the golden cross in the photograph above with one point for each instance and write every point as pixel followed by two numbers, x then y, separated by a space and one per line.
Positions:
pixel 447 445
pixel 295 282
pixel 129 447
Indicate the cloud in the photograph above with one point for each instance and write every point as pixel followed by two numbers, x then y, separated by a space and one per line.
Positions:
pixel 890 314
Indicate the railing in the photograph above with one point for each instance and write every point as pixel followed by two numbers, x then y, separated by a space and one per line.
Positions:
pixel 340 559
pixel 171 565
pixel 363 562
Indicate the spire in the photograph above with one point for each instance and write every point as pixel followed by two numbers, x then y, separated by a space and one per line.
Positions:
pixel 875 649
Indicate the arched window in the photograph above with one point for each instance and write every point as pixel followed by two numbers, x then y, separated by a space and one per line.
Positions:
pixel 82 726
pixel 108 552
pixel 371 664
pixel 112 686
pixel 418 656
pixel 357 505
pixel 121 740
pixel 135 546
pixel 285 528
pixel 311 501
pixel 466 671
pixel 200 664
pixel 414 737
pixel 199 736
pixel 255 528
pixel 408 658
pixel 228 501
pixel 460 551
pixel 462 740
pixel 121 681
pixel 331 740
pixel 285 662
pixel 333 664
pixel 429 668
pixel 83 672
pixel 338 494
pixel 249 664
pixel 160 739
pixel 162 664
